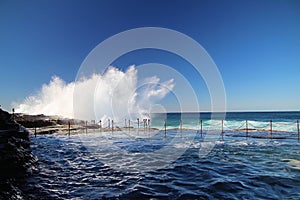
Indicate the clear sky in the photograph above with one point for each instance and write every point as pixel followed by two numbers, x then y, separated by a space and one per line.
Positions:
pixel 255 43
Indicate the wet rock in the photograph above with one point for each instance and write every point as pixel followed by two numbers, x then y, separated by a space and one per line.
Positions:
pixel 16 159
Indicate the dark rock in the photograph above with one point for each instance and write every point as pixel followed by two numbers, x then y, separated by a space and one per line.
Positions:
pixel 6 121
pixel 36 123
pixel 16 159
pixel 31 121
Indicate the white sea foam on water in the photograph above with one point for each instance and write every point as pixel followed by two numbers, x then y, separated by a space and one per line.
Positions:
pixel 293 163
pixel 114 93
pixel 185 143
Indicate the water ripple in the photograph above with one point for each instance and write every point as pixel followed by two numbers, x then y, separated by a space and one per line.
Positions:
pixel 235 169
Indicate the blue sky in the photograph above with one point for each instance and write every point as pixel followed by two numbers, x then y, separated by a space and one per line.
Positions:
pixel 255 44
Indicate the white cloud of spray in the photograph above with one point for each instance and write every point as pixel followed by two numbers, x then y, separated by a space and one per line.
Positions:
pixel 115 93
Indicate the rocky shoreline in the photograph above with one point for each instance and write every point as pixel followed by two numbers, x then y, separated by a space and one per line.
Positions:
pixel 16 159
pixel 42 124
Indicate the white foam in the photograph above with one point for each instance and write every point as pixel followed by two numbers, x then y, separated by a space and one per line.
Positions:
pixel 294 164
pixel 114 93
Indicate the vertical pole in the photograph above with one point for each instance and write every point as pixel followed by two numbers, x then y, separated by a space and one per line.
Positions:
pixel 298 130
pixel 247 129
pixel 180 126
pixel 85 126
pixel 222 129
pixel 271 136
pixel 112 125
pixel 34 129
pixel 165 125
pixel 129 125
pixel 69 127
pixel 138 122
pixel 94 125
pixel 201 127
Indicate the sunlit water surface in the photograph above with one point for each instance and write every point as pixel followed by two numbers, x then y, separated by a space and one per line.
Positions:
pixel 236 168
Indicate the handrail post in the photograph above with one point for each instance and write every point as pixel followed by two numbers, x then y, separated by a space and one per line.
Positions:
pixel 85 127
pixel 222 129
pixel 247 129
pixel 34 129
pixel 298 130
pixel 69 127
pixel 112 125
pixel 181 126
pixel 271 135
pixel 201 127
pixel 165 125
pixel 129 125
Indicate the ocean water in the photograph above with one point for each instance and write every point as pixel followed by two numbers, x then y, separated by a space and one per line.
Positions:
pixel 154 164
pixel 281 121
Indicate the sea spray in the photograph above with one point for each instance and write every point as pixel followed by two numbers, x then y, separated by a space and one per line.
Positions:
pixel 115 95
